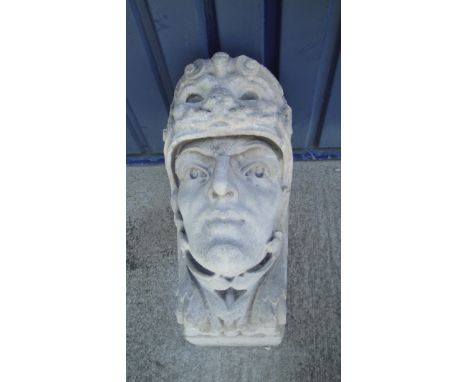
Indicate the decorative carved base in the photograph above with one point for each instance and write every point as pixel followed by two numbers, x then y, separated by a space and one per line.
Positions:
pixel 236 341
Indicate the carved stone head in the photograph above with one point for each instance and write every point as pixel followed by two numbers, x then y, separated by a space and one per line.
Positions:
pixel 229 161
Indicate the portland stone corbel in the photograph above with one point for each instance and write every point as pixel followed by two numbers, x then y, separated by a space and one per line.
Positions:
pixel 229 161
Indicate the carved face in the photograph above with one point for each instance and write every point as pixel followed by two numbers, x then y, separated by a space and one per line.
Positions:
pixel 229 197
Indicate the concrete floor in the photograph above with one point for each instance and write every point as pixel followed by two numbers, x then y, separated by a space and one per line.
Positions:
pixel 310 351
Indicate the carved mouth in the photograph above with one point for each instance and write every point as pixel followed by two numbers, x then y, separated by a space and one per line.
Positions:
pixel 223 214
pixel 223 219
pixel 220 222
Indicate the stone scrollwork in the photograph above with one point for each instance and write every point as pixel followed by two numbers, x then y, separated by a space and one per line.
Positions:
pixel 229 161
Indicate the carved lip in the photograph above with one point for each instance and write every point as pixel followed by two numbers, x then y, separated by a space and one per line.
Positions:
pixel 212 223
pixel 223 217
pixel 224 221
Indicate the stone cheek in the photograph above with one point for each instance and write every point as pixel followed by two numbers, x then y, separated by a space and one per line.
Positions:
pixel 230 200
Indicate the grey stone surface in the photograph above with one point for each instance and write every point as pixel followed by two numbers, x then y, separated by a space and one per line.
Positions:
pixel 310 351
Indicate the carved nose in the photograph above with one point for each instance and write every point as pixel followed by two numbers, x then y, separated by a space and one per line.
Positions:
pixel 222 185
pixel 220 101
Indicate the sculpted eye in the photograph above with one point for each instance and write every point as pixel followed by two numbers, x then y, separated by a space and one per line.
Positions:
pixel 194 98
pixel 196 172
pixel 258 170
pixel 249 96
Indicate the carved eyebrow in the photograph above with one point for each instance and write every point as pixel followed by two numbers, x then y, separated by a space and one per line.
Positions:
pixel 239 149
pixel 191 155
pixel 198 151
pixel 269 159
pixel 255 146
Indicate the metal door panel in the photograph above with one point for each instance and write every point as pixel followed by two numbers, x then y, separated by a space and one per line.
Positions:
pixel 143 93
pixel 306 50
pixel 331 134
pixel 241 27
pixel 298 41
pixel 181 30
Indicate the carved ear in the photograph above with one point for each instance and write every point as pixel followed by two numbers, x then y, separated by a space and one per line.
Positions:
pixel 274 245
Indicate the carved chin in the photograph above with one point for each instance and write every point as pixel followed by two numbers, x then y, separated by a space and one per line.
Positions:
pixel 228 260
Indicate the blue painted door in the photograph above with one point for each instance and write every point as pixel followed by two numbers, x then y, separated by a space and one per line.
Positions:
pixel 298 41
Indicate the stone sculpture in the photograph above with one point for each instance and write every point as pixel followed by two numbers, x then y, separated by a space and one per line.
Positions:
pixel 229 161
